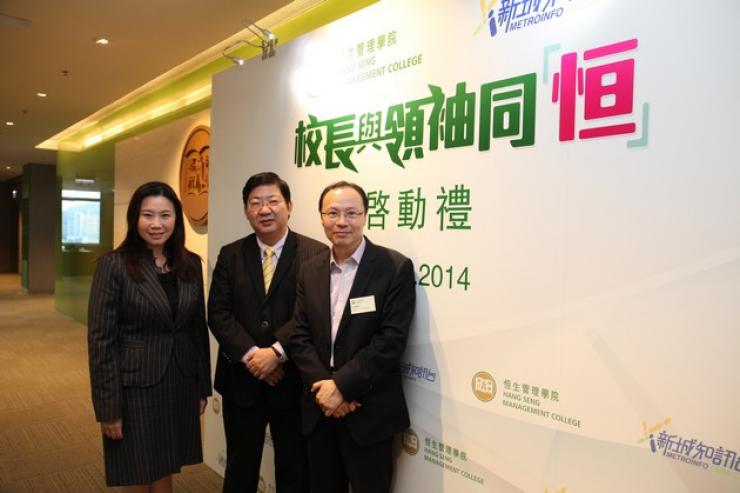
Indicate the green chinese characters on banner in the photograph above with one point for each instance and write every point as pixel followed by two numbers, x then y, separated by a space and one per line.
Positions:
pixel 506 109
pixel 453 211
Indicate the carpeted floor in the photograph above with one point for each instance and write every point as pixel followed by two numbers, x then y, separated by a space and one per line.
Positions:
pixel 49 440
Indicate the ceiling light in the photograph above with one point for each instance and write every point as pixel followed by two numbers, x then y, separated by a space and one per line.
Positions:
pixel 7 166
pixel 10 124
pixel 101 41
pixel 41 94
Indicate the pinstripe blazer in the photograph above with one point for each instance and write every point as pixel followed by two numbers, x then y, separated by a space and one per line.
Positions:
pixel 132 336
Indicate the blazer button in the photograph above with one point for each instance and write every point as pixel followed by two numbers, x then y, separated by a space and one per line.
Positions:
pixel 337 348
pixel 265 324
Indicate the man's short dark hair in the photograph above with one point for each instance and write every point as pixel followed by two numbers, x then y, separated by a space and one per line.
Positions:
pixel 265 178
pixel 344 184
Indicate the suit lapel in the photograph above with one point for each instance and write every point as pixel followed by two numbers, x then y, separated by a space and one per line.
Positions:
pixel 253 262
pixel 152 290
pixel 287 257
pixel 322 287
pixel 362 279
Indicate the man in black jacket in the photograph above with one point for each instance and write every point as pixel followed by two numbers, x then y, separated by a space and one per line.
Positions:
pixel 353 312
pixel 250 310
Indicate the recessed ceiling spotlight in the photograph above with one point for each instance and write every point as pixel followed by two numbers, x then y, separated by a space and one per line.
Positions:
pixel 41 94
pixel 101 41
pixel 10 124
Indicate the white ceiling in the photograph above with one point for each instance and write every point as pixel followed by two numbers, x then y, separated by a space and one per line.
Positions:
pixel 39 39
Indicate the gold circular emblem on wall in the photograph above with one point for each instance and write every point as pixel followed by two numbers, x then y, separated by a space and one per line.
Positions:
pixel 194 168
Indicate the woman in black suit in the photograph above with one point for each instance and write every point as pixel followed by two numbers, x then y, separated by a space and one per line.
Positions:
pixel 148 346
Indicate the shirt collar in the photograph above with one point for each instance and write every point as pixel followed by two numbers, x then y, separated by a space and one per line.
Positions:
pixel 356 255
pixel 277 248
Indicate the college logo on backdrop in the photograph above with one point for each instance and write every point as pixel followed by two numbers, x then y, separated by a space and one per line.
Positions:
pixel 592 96
pixel 194 170
pixel 503 16
pixel 690 451
pixel 410 442
pixel 449 457
pixel 523 397
pixel 484 386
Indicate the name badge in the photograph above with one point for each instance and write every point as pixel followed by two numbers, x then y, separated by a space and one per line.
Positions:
pixel 366 304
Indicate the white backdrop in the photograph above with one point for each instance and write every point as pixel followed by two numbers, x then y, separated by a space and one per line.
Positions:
pixel 577 319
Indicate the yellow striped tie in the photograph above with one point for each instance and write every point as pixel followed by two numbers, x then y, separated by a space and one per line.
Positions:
pixel 268 268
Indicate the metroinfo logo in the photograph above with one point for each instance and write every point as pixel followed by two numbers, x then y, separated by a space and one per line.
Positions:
pixel 689 450
pixel 503 16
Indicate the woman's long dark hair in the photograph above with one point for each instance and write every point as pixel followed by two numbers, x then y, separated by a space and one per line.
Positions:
pixel 133 248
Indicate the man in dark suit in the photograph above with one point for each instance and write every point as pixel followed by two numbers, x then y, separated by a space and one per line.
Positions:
pixel 352 318
pixel 250 310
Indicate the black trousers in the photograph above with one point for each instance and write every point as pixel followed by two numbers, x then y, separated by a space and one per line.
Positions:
pixel 337 460
pixel 245 436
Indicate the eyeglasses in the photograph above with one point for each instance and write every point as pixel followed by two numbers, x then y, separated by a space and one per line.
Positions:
pixel 350 215
pixel 257 204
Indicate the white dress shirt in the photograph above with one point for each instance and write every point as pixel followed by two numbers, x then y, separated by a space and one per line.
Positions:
pixel 277 249
pixel 342 276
